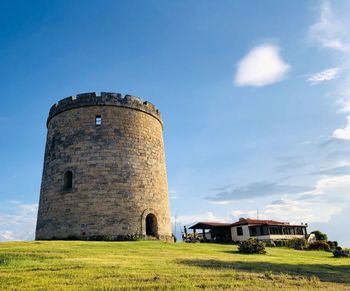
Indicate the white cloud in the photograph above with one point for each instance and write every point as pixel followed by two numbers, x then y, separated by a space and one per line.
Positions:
pixel 262 66
pixel 7 236
pixel 289 210
pixel 221 202
pixel 23 235
pixel 329 31
pixel 343 133
pixel 335 227
pixel 345 104
pixel 254 190
pixel 329 198
pixel 18 222
pixel 322 76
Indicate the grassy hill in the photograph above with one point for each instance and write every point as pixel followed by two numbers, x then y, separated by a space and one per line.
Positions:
pixel 156 265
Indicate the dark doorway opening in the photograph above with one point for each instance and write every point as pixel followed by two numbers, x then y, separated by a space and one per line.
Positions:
pixel 151 225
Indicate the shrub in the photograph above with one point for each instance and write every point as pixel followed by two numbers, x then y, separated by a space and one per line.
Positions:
pixel 320 235
pixel 281 243
pixel 269 243
pixel 251 246
pixel 319 245
pixel 174 238
pixel 332 244
pixel 298 243
pixel 340 253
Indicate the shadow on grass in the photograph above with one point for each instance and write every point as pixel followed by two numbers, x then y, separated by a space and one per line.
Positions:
pixel 325 272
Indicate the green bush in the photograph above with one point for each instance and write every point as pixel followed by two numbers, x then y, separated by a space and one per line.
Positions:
pixel 332 244
pixel 251 246
pixel 320 235
pixel 341 253
pixel 319 245
pixel 174 238
pixel 269 243
pixel 281 243
pixel 298 243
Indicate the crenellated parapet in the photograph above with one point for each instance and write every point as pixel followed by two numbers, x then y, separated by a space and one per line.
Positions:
pixel 105 99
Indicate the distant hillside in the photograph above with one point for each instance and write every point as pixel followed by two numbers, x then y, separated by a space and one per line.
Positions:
pixel 144 265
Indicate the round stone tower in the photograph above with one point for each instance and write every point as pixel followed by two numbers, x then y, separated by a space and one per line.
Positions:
pixel 104 171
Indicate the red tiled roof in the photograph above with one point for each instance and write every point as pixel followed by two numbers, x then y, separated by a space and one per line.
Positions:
pixel 244 221
pixel 209 224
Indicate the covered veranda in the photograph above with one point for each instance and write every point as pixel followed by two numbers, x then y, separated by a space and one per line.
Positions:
pixel 212 232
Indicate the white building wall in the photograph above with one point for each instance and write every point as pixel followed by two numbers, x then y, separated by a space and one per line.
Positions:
pixel 246 235
pixel 243 237
pixel 280 236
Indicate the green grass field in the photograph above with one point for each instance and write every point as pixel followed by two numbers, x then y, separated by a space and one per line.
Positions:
pixel 79 265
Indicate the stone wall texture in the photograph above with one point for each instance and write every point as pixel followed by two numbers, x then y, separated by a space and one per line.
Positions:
pixel 118 168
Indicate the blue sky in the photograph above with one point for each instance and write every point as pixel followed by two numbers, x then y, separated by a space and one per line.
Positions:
pixel 255 98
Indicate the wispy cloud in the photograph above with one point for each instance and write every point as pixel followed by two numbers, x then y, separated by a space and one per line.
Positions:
pixel 290 164
pixel 279 202
pixel 325 75
pixel 344 104
pixel 7 236
pixel 343 133
pixel 289 210
pixel 255 190
pixel 334 171
pixel 328 30
pixel 331 31
pixel 18 222
pixel 262 66
pixel 329 196
pixel 335 226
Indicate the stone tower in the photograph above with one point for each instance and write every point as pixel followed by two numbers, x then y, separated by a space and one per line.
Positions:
pixel 104 170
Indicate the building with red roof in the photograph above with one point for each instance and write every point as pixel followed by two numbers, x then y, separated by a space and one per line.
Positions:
pixel 246 228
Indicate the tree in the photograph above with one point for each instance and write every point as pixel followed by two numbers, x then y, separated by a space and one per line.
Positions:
pixel 320 235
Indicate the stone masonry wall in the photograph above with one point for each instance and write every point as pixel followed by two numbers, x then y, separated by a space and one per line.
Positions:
pixel 118 168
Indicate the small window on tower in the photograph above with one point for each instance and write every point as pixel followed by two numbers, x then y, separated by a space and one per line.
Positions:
pixel 68 180
pixel 98 120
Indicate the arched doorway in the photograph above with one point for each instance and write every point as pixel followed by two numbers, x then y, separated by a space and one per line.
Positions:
pixel 151 225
